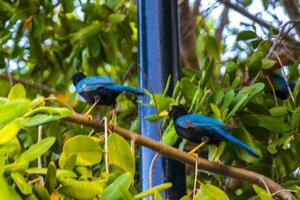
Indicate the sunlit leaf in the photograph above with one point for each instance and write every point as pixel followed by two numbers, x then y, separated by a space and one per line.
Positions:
pixel 88 152
pixel 17 92
pixel 21 183
pixel 81 189
pixel 122 157
pixel 9 131
pixel 36 150
pixel 262 193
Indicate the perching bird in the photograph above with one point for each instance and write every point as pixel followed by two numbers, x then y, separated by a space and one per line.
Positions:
pixel 100 90
pixel 201 129
pixel 281 87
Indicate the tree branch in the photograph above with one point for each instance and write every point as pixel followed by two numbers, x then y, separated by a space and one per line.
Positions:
pixel 222 23
pixel 188 36
pixel 261 22
pixel 31 84
pixel 183 157
pixel 293 11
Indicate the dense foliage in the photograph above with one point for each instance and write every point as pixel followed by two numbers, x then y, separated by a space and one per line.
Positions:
pixel 43 156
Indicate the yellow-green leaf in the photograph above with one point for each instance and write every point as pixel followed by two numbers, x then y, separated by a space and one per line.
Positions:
pixel 11 110
pixel 119 153
pixel 17 92
pixel 9 131
pixel 211 192
pixel 37 150
pixel 263 195
pixel 87 151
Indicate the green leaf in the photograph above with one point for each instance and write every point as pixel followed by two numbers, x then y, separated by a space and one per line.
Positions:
pixel 238 107
pixel 211 192
pixel 21 183
pixel 36 150
pixel 267 63
pixel 88 152
pixel 228 97
pixel 116 18
pixel 41 192
pixel 215 110
pixel 42 115
pixel 264 121
pixel 17 92
pixel 295 119
pixel 217 97
pixel 9 131
pixel 50 179
pixel 60 173
pixel 188 89
pixel 113 192
pixel 70 162
pixel 209 73
pixel 263 195
pixel 13 109
pixel 154 189
pixel 68 5
pixel 121 157
pixel 246 35
pixel 278 111
pixel 6 191
pixel 81 189
pixel 170 137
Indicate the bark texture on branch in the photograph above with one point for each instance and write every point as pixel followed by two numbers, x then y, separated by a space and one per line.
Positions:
pixel 292 8
pixel 183 157
pixel 188 36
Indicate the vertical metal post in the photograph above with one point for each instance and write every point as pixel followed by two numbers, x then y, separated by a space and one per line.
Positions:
pixel 158 58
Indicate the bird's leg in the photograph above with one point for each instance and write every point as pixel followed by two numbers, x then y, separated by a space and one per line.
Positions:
pixel 87 114
pixel 113 116
pixel 204 141
pixel 215 153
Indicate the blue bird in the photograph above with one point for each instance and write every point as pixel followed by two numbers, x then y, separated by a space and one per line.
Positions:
pixel 281 87
pixel 100 90
pixel 201 129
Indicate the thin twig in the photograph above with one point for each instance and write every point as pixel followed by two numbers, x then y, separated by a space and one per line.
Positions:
pixel 106 144
pixel 254 18
pixel 151 171
pixel 30 84
pixel 39 159
pixel 8 75
pixel 203 164
pixel 196 174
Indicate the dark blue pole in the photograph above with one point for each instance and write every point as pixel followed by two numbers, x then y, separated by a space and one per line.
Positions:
pixel 158 58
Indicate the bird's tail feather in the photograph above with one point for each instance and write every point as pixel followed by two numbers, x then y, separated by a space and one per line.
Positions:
pixel 236 141
pixel 123 88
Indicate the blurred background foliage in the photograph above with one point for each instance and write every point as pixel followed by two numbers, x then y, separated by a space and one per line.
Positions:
pixel 42 43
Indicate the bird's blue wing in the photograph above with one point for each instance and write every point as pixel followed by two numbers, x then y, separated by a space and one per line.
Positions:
pixel 91 83
pixel 234 140
pixel 196 120
pixel 123 88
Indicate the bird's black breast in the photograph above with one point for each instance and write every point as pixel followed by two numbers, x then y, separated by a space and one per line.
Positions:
pixel 196 134
pixel 107 97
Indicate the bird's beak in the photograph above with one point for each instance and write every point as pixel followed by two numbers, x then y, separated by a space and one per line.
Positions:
pixel 164 113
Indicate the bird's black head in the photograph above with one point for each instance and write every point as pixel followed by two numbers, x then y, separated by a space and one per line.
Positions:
pixel 77 77
pixel 177 111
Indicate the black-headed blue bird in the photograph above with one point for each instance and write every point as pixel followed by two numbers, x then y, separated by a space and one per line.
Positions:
pixel 100 90
pixel 281 86
pixel 201 129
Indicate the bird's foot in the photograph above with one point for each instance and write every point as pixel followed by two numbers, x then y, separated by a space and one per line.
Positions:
pixel 112 126
pixel 193 154
pixel 90 117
